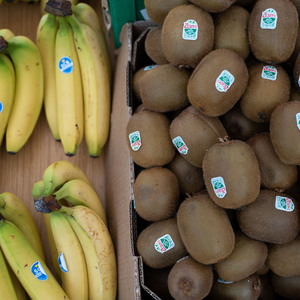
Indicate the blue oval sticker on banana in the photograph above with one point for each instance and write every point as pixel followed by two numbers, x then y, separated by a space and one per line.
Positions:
pixel 65 65
pixel 1 107
pixel 62 263
pixel 38 271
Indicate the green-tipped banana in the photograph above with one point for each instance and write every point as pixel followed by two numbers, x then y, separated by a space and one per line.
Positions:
pixel 45 40
pixel 28 266
pixel 13 209
pixel 7 92
pixel 78 192
pixel 71 257
pixel 29 91
pixel 6 33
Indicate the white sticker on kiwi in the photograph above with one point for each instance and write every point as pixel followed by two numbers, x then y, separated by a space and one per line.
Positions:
pixel 135 140
pixel 224 81
pixel 150 67
pixel 268 19
pixel 269 72
pixel 164 244
pixel 298 120
pixel 284 203
pixel 220 280
pixel 219 186
pixel 190 30
pixel 180 145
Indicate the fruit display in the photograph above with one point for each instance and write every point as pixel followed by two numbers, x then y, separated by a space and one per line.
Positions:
pixel 219 82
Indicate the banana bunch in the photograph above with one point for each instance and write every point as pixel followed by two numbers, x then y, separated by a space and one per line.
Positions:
pixel 23 270
pixel 80 243
pixel 77 74
pixel 21 89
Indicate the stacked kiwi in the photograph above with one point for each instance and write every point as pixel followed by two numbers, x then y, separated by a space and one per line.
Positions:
pixel 215 141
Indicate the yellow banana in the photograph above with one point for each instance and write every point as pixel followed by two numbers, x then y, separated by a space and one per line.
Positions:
pixel 69 89
pixel 29 91
pixel 19 290
pixel 45 39
pixel 71 257
pixel 13 209
pixel 96 86
pixel 6 284
pixel 6 33
pixel 7 92
pixel 78 192
pixel 28 266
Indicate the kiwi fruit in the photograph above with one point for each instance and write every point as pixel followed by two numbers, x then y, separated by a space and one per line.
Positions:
pixel 205 229
pixel 148 139
pixel 167 97
pixel 213 6
pixel 231 174
pixel 156 194
pixel 273 30
pixel 192 133
pixel 268 86
pixel 272 218
pixel 247 257
pixel 286 287
pixel 190 178
pixel 189 279
pixel 231 30
pixel 285 132
pixel 238 126
pixel 160 245
pixel 218 82
pixel 284 259
pixel 157 12
pixel 153 47
pixel 245 289
pixel 275 175
pixel 187 35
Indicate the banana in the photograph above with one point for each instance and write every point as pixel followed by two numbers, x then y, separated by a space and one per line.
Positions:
pixel 6 33
pixel 45 39
pixel 29 91
pixel 7 92
pixel 28 266
pixel 69 89
pixel 6 284
pixel 13 209
pixel 73 268
pixel 78 192
pixel 19 290
pixel 96 86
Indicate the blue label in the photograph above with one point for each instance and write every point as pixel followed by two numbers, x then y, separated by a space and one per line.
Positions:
pixel 38 271
pixel 1 107
pixel 65 65
pixel 62 263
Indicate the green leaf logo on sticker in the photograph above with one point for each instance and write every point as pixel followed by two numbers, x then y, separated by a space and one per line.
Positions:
pixel 269 72
pixel 298 120
pixel 224 81
pixel 164 243
pixel 135 140
pixel 284 203
pixel 190 30
pixel 180 145
pixel 219 187
pixel 268 19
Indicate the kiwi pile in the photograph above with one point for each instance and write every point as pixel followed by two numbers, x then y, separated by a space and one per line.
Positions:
pixel 215 140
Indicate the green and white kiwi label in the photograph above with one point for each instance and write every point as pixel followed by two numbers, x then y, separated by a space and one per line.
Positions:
pixel 219 186
pixel 190 30
pixel 180 145
pixel 220 280
pixel 268 19
pixel 284 203
pixel 298 120
pixel 269 72
pixel 224 81
pixel 135 140
pixel 164 244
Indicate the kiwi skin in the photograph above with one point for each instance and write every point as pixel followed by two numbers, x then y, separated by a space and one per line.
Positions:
pixel 214 6
pixel 188 279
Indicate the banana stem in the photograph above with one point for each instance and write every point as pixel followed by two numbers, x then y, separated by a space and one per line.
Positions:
pixel 46 204
pixel 3 44
pixel 59 8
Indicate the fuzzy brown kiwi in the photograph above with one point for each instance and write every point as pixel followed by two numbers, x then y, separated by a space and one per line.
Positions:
pixel 218 82
pixel 231 30
pixel 161 95
pixel 268 87
pixel 156 194
pixel 286 287
pixel 193 133
pixel 247 257
pixel 213 6
pixel 275 175
pixel 149 132
pixel 153 47
pixel 190 280
pixel 285 132
pixel 205 229
pixel 273 40
pixel 272 218
pixel 160 244
pixel 231 174
pixel 180 47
